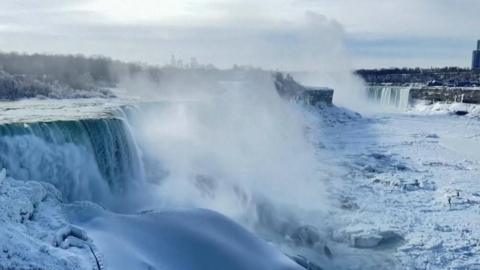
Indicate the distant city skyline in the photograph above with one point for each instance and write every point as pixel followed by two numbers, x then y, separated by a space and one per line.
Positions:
pixel 283 34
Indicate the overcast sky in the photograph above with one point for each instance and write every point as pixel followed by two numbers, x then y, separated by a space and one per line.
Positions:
pixel 283 34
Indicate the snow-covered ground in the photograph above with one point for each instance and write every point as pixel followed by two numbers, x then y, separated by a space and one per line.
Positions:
pixel 30 217
pixel 410 197
pixel 176 239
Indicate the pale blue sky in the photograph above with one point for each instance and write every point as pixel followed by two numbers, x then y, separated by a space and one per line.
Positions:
pixel 285 34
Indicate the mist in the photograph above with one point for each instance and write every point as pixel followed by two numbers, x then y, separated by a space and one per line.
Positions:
pixel 229 150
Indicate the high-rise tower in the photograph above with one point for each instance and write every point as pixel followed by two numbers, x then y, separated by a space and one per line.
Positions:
pixel 476 58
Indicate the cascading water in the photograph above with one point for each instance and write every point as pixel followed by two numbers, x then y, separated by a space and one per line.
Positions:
pixel 391 96
pixel 89 159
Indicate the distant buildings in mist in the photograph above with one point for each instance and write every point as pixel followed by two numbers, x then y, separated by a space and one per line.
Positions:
pixel 476 57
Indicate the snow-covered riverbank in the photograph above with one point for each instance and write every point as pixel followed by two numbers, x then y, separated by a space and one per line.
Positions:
pixel 410 198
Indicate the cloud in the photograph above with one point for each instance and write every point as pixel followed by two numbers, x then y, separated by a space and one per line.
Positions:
pixel 407 17
pixel 233 36
pixel 272 33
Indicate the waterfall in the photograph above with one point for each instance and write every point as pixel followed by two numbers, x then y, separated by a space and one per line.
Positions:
pixel 89 159
pixel 391 96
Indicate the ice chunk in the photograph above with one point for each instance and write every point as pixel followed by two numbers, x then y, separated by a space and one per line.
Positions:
pixel 64 237
pixel 367 240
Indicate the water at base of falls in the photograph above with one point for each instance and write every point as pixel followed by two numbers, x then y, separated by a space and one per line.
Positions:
pixel 390 96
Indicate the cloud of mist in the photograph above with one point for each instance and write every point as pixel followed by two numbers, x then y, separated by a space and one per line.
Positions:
pixel 328 63
pixel 225 140
pixel 230 149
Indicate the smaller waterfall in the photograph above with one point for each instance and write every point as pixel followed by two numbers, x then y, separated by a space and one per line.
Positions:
pixel 391 96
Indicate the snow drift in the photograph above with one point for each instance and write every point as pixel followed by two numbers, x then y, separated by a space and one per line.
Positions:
pixel 36 233
pixel 176 240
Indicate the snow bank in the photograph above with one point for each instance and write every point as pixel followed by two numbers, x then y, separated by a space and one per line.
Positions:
pixel 414 181
pixel 470 110
pixel 176 240
pixel 30 214
pixel 36 233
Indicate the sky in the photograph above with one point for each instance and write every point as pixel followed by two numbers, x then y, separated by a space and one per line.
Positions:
pixel 274 34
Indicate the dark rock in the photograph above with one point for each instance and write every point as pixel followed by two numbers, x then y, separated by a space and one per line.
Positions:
pixel 306 236
pixel 390 239
pixel 378 156
pixel 290 89
pixel 432 136
pixel 347 203
pixel 401 167
pixel 327 252
pixel 305 263
pixel 461 113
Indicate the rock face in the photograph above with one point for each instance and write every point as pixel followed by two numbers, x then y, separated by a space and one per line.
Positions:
pixel 445 94
pixel 289 89
pixel 317 96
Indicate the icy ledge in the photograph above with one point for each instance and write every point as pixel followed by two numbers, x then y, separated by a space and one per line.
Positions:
pixel 30 216
pixel 38 231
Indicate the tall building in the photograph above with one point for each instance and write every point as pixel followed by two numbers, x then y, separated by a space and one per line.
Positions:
pixel 476 58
